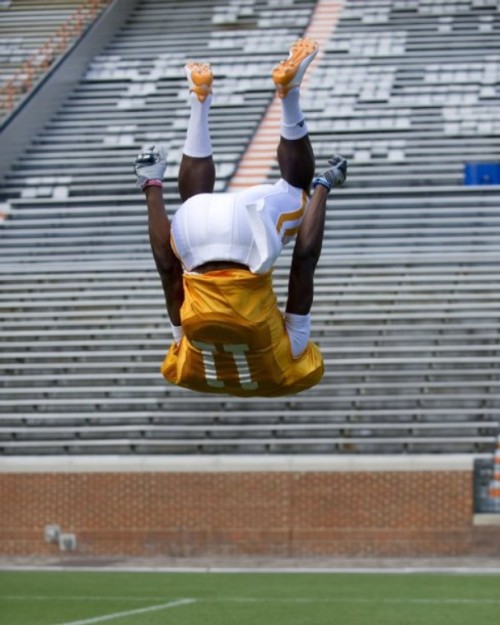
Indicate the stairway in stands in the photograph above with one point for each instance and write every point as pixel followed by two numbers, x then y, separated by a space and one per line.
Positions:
pixel 407 305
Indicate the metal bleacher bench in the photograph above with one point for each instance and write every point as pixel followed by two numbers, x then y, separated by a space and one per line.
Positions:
pixel 406 308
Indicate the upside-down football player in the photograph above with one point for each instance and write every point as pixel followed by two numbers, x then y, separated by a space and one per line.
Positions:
pixel 215 257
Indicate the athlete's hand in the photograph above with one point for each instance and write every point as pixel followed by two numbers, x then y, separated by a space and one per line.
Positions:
pixel 150 164
pixel 335 175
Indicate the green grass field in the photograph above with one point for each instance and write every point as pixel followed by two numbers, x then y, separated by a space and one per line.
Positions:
pixel 142 598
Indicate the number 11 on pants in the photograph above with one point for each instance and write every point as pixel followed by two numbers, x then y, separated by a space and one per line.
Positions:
pixel 239 352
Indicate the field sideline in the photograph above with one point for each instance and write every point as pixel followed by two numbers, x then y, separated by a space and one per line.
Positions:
pixel 153 598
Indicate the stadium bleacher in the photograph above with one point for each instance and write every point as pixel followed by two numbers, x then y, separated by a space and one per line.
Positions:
pixel 407 305
pixel 33 36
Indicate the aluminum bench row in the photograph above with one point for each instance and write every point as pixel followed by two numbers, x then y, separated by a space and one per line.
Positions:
pixel 395 445
pixel 218 430
pixel 243 414
pixel 406 310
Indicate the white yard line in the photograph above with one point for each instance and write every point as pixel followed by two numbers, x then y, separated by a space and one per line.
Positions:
pixel 147 609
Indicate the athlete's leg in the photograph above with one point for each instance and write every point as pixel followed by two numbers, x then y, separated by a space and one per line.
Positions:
pixel 197 170
pixel 295 153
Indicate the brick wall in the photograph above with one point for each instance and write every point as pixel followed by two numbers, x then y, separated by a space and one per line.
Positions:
pixel 279 513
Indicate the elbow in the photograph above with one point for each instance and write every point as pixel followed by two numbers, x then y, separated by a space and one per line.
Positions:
pixel 305 258
pixel 307 251
pixel 173 289
pixel 167 264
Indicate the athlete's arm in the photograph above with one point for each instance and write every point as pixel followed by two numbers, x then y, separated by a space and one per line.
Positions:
pixel 309 240
pixel 150 168
pixel 168 265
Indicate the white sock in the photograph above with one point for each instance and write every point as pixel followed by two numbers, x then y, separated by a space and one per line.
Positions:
pixel 177 332
pixel 298 328
pixel 198 142
pixel 293 125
